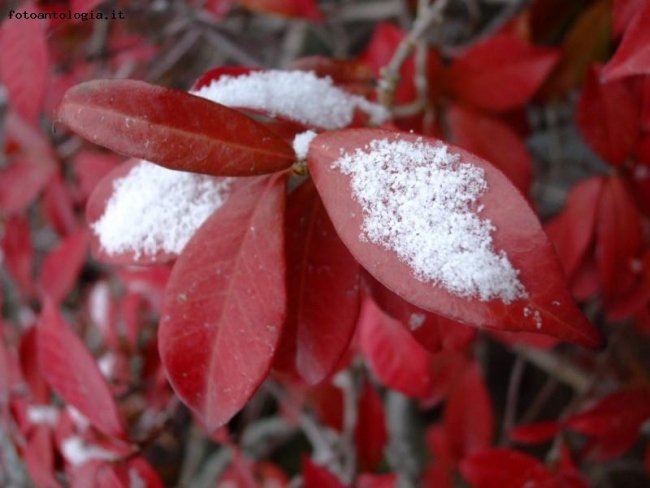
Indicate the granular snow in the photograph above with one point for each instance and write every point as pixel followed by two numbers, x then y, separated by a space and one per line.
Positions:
pixel 297 95
pixel 420 201
pixel 155 209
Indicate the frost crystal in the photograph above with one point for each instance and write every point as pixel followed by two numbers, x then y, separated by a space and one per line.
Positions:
pixel 156 209
pixel 296 95
pixel 420 201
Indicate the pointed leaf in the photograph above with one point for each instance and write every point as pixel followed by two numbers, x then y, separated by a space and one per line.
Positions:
pixel 572 231
pixel 24 63
pixel 501 73
pixel 172 128
pixel 323 288
pixel 468 417
pixel 393 355
pixel 608 118
pixel 633 54
pixel 62 265
pixel 505 468
pixel 315 476
pixel 370 434
pixel 534 433
pixel 545 306
pixel 225 304
pixel 72 372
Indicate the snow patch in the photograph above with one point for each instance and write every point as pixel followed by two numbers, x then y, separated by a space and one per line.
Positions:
pixel 296 95
pixel 416 320
pixel 43 414
pixel 301 143
pixel 420 201
pixel 76 451
pixel 155 209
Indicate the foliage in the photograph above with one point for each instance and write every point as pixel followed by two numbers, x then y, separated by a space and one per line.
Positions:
pixel 417 256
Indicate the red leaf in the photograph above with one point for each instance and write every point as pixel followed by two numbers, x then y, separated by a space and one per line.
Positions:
pixel 572 231
pixel 90 168
pixel 39 457
pixel 217 8
pixel 225 304
pixel 468 418
pixel 633 54
pixel 493 140
pixel 72 372
pixel 370 434
pixel 315 476
pixel 17 251
pixel 615 420
pixel 20 183
pixel 432 331
pixel 24 63
pixel 392 354
pixel 323 289
pixel 623 13
pixel 172 128
pixel 366 480
pixel 505 468
pixel 518 233
pixel 59 207
pixel 501 73
pixel 608 118
pixel 534 433
pixel 619 238
pixel 62 265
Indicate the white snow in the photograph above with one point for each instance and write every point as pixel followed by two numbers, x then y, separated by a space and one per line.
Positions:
pixel 156 209
pixel 421 202
pixel 135 480
pixel 99 305
pixel 76 451
pixel 416 320
pixel 43 414
pixel 78 418
pixel 296 95
pixel 301 143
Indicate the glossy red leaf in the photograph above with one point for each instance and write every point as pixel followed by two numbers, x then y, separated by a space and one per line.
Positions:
pixel 500 73
pixel 392 354
pixel 506 468
pixel 623 13
pixel 608 118
pixel 72 372
pixel 534 433
pixel 225 304
pixel 62 265
pixel 468 417
pixel 322 288
pixel 619 238
pixel 633 54
pixel 572 231
pixel 24 63
pixel 615 420
pixel 170 128
pixel 518 233
pixel 315 476
pixel 493 140
pixel 370 433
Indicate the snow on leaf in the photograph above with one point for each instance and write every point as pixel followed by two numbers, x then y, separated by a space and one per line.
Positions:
pixel 296 95
pixel 499 269
pixel 224 304
pixel 169 127
pixel 144 210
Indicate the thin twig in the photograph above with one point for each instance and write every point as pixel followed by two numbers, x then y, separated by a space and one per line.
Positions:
pixel 512 398
pixel 557 367
pixel 390 73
